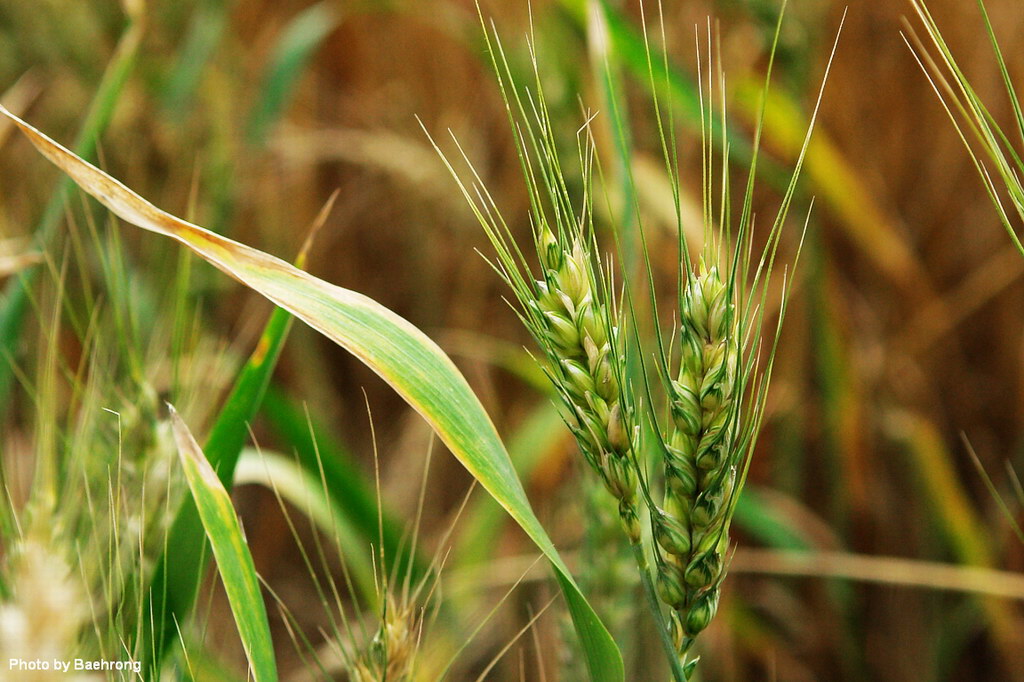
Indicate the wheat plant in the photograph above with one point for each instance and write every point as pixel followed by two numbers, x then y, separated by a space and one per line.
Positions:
pixel 712 368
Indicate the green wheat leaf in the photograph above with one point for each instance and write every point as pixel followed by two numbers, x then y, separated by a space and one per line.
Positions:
pixel 175 583
pixel 234 563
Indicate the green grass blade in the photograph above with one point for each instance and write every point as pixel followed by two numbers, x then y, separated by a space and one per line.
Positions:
pixel 396 350
pixel 234 562
pixel 205 32
pixel 14 303
pixel 175 582
pixel 230 431
pixel 300 39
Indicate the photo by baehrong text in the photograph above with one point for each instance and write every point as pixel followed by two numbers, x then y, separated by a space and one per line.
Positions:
pixel 74 664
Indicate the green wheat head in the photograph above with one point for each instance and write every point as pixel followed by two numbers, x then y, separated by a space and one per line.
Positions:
pixel 700 457
pixel 714 366
pixel 571 318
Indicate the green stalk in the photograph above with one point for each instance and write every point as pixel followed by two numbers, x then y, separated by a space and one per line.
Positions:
pixel 678 673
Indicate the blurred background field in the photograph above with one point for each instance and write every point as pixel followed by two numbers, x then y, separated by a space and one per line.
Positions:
pixel 905 331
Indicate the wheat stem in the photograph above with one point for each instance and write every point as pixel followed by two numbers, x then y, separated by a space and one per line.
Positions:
pixel 651 595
